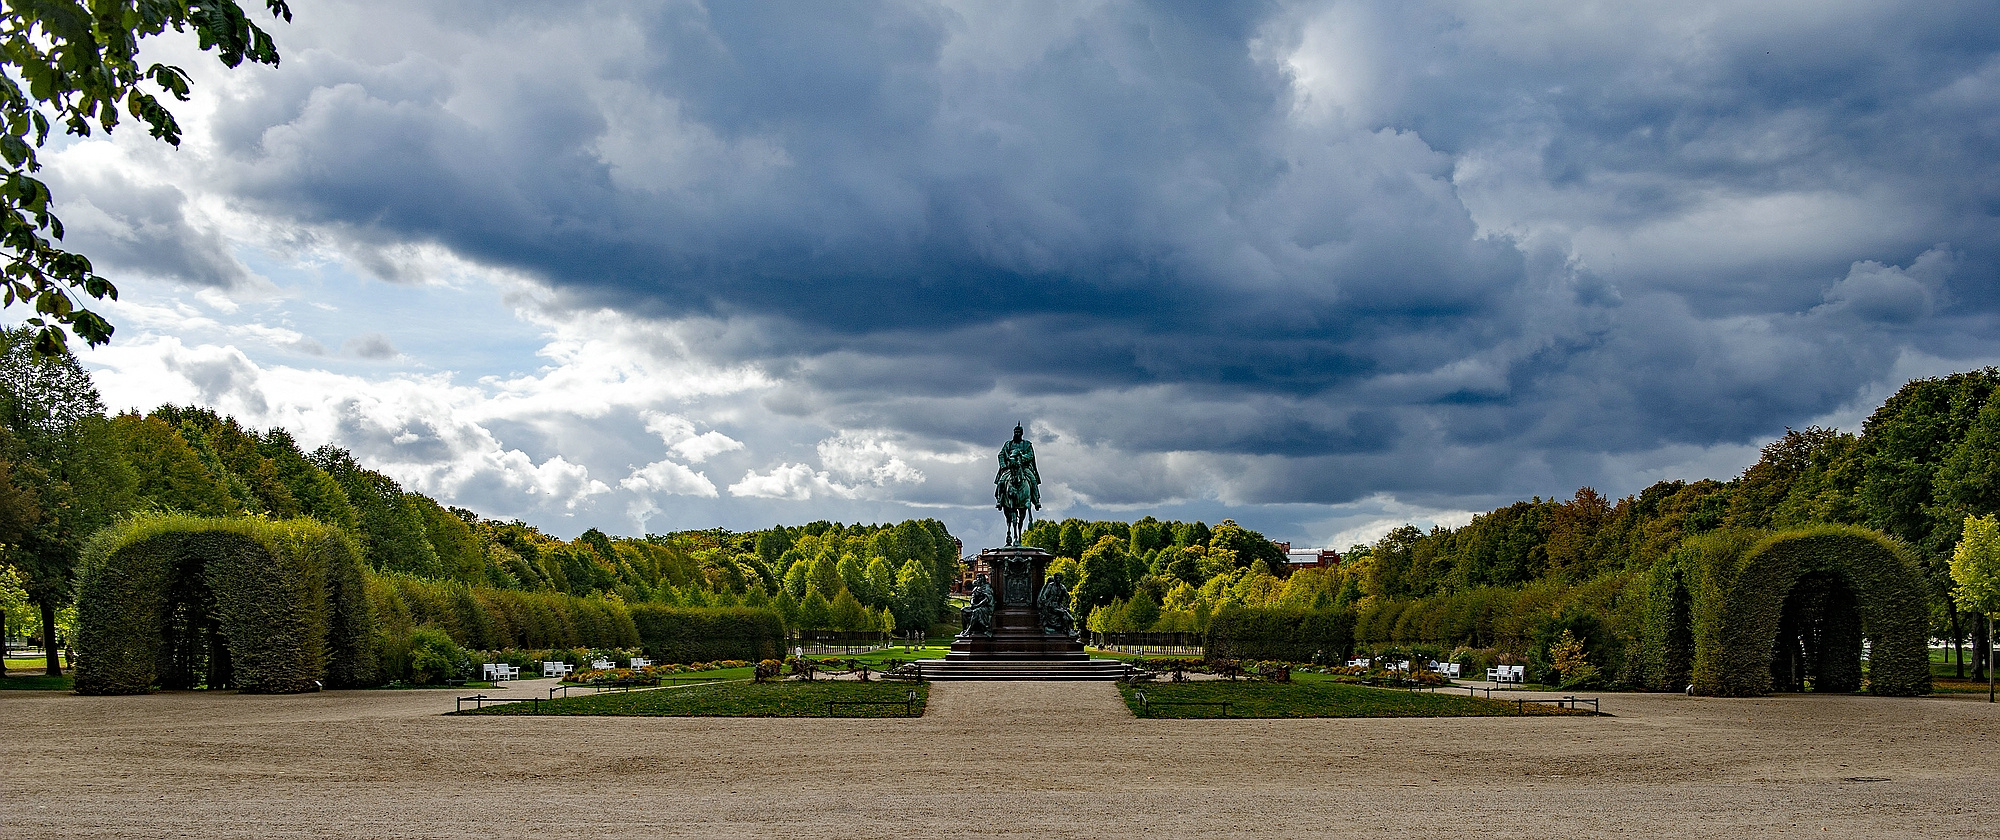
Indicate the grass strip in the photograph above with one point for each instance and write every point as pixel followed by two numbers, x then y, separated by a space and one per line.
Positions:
pixel 37 681
pixel 1318 699
pixel 733 699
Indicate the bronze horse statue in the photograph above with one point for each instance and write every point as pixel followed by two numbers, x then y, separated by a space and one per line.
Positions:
pixel 1017 488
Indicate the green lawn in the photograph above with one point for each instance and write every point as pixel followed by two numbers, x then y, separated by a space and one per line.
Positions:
pixel 732 699
pixel 1318 699
pixel 25 680
pixel 1945 666
pixel 26 674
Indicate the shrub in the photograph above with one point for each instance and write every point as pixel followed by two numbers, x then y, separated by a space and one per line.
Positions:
pixel 1592 644
pixel 435 658
pixel 1572 667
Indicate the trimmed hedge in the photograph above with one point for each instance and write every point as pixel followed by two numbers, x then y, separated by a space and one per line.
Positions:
pixel 273 607
pixel 482 618
pixel 1289 634
pixel 707 634
pixel 1667 636
pixel 1739 600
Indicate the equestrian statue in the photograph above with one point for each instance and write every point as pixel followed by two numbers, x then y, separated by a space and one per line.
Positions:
pixel 1018 485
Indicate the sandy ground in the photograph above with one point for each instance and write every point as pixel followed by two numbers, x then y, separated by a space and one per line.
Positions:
pixel 992 760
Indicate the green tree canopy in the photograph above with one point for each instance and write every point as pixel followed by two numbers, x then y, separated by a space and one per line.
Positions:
pixel 1975 567
pixel 65 457
pixel 170 474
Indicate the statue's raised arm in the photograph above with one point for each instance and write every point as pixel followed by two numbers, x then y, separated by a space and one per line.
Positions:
pixel 1017 487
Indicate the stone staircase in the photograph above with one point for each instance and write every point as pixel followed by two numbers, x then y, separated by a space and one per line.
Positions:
pixel 1016 669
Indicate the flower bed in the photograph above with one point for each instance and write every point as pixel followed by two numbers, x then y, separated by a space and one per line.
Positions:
pixel 592 675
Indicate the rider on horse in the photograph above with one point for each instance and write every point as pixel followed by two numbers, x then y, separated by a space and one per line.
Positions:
pixel 1018 484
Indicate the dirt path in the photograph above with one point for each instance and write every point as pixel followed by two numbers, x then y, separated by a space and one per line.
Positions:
pixel 990 760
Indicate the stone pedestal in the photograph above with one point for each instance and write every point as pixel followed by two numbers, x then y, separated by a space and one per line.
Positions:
pixel 1016 575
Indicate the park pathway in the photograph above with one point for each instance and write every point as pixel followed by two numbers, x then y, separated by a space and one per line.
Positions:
pixel 1029 704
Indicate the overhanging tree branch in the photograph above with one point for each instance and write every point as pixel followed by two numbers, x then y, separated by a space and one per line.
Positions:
pixel 76 62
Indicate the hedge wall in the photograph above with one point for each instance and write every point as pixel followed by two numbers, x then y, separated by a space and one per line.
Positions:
pixel 1739 598
pixel 483 618
pixel 706 634
pixel 1508 618
pixel 1292 634
pixel 271 606
pixel 1666 638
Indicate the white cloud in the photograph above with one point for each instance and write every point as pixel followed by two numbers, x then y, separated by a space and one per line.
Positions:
pixel 372 346
pixel 796 482
pixel 866 457
pixel 1366 520
pixel 668 477
pixel 425 431
pixel 679 435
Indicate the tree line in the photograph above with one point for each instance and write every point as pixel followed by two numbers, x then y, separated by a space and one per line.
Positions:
pixel 67 471
pixel 1517 577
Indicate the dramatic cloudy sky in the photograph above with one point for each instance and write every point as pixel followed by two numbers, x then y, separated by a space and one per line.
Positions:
pixel 1324 268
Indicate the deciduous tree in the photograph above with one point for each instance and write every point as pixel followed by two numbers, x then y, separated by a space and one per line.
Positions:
pixel 1975 568
pixel 53 415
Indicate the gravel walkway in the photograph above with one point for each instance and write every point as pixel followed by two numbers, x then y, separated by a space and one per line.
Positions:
pixel 990 760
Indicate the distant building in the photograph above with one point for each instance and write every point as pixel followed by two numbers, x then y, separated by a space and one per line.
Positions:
pixel 968 568
pixel 1309 558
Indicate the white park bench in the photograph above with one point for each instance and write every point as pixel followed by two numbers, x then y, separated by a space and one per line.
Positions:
pixel 1449 669
pixel 1507 673
pixel 603 664
pixel 557 669
pixel 1358 663
pixel 500 671
pixel 640 662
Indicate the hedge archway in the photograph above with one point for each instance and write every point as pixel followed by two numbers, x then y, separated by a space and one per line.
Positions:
pixel 1847 583
pixel 178 601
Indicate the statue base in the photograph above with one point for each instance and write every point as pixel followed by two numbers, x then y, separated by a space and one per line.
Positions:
pixel 1017 627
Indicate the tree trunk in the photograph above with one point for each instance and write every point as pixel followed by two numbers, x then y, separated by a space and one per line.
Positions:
pixel 49 638
pixel 3 643
pixel 1982 645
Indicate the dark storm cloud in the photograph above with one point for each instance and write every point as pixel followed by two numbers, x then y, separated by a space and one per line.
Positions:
pixel 1390 247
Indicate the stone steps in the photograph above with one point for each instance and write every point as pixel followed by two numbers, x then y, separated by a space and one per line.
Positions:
pixel 1090 669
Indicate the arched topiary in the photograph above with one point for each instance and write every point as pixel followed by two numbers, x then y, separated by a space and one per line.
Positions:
pixel 1740 594
pixel 265 606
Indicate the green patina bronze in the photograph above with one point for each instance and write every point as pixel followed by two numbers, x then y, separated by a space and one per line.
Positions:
pixel 978 615
pixel 1017 487
pixel 1054 608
